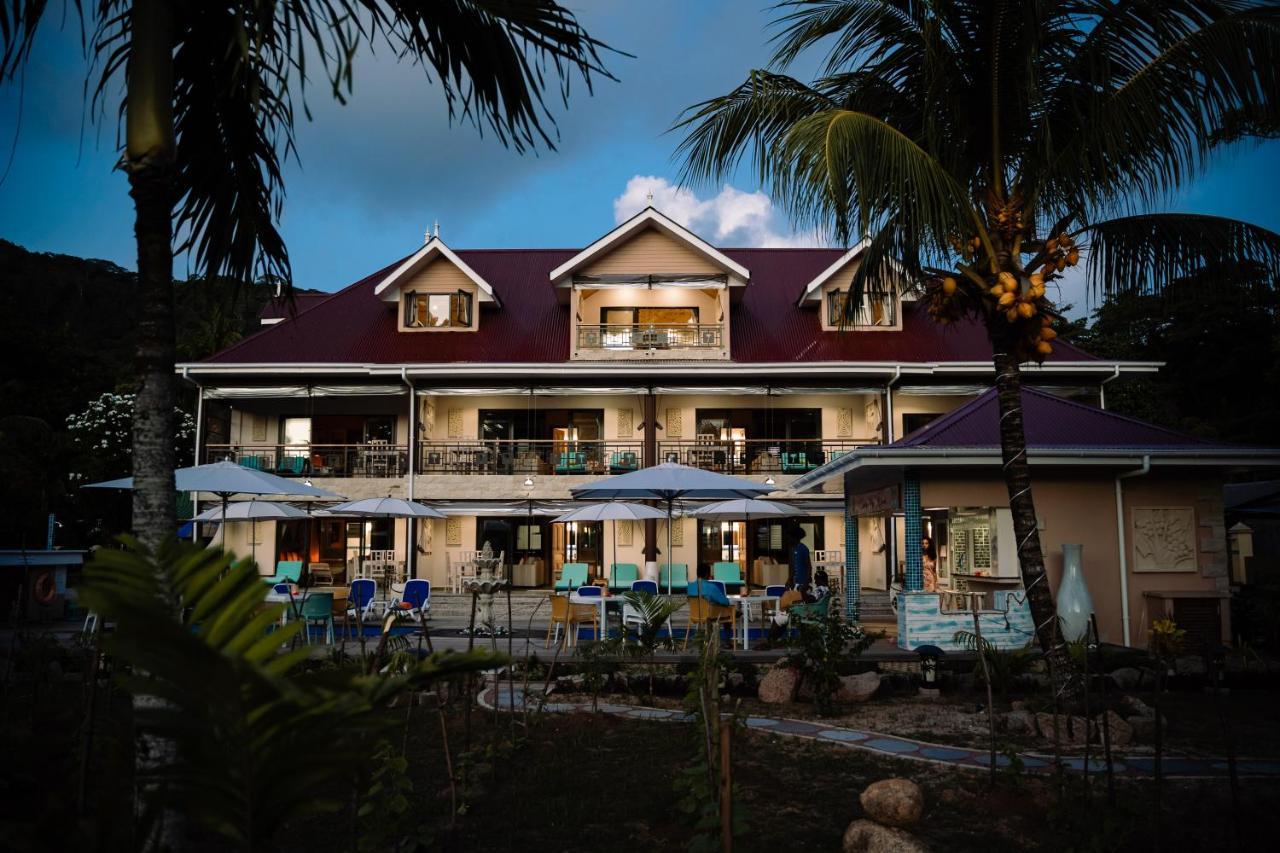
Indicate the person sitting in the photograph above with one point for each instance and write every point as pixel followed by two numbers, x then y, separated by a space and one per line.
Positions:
pixel 795 595
pixel 821 585
pixel 704 588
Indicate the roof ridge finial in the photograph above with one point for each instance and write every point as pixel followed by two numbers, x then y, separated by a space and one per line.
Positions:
pixel 437 229
pixel 649 198
pixel 426 236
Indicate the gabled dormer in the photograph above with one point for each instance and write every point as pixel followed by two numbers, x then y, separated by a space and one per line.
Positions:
pixel 650 288
pixel 829 294
pixel 435 291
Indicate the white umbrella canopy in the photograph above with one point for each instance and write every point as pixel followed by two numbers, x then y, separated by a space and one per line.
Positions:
pixel 670 482
pixel 388 508
pixel 612 512
pixel 249 511
pixel 746 508
pixel 227 478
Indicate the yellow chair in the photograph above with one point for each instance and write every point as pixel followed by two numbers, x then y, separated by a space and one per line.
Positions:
pixel 704 614
pixel 570 616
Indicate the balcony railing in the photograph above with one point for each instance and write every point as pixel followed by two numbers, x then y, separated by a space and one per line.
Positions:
pixel 650 336
pixel 756 455
pixel 529 457
pixel 373 459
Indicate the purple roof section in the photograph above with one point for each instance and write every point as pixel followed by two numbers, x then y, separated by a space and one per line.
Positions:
pixel 354 326
pixel 1050 422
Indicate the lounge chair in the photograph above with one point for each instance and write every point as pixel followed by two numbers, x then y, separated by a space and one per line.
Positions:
pixel 572 576
pixel 361 600
pixel 730 574
pixel 622 461
pixel 415 601
pixel 572 462
pixel 292 465
pixel 254 462
pixel 287 571
pixel 622 576
pixel 674 574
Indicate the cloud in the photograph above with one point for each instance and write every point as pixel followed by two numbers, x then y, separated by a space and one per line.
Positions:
pixel 730 218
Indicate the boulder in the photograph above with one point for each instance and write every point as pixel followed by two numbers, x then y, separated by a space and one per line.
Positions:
pixel 1020 723
pixel 1081 731
pixel 1128 677
pixel 778 686
pixel 1044 723
pixel 1121 732
pixel 1189 665
pixel 1138 707
pixel 864 836
pixel 893 802
pixel 858 688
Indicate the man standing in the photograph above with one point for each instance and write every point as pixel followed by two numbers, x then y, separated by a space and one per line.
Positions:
pixel 798 553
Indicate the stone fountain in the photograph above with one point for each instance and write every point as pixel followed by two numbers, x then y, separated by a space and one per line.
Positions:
pixel 487 583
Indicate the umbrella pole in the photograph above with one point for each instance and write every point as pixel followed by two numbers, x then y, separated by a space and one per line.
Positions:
pixel 615 549
pixel 253 544
pixel 670 564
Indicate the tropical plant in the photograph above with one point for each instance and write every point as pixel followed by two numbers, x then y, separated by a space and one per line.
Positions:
pixel 982 147
pixel 822 645
pixel 655 612
pixel 239 725
pixel 208 116
pixel 1005 667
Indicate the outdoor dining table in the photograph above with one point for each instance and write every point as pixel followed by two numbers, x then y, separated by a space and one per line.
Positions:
pixel 600 601
pixel 744 603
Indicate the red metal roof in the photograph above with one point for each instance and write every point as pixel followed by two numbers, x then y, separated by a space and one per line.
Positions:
pixel 278 308
pixel 1050 422
pixel 354 326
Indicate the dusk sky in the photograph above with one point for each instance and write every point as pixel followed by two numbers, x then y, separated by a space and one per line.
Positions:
pixel 375 174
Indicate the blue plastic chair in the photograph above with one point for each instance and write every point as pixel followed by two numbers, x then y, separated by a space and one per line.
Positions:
pixel 650 587
pixel 417 594
pixel 775 590
pixel 317 608
pixel 589 591
pixel 572 462
pixel 361 599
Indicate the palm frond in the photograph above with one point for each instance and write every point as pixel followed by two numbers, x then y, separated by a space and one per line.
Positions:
pixel 1147 253
pixel 254 744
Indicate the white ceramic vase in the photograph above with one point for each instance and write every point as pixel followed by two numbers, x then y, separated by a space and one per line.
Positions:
pixel 1074 604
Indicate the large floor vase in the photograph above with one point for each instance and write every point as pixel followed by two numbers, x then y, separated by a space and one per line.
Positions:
pixel 1075 606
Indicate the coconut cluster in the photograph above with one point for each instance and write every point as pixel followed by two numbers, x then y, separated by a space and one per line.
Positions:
pixel 1016 296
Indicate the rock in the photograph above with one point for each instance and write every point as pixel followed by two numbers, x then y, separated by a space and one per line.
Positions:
pixel 1020 705
pixel 1138 707
pixel 1020 722
pixel 1128 677
pixel 1120 731
pixel 735 680
pixel 778 685
pixel 864 836
pixel 1081 731
pixel 858 688
pixel 1044 724
pixel 893 802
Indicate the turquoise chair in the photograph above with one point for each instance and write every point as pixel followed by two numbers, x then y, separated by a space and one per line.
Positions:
pixel 796 463
pixel 622 576
pixel 317 608
pixel 729 574
pixel 677 574
pixel 294 465
pixel 622 461
pixel 572 576
pixel 254 462
pixel 287 571
pixel 572 462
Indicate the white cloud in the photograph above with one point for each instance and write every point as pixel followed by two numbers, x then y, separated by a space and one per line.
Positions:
pixel 730 218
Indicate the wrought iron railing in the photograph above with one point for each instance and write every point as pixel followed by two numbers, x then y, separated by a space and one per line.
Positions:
pixel 374 459
pixel 756 455
pixel 529 457
pixel 650 336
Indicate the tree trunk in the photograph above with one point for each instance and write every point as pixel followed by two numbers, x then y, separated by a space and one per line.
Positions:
pixel 1017 477
pixel 148 160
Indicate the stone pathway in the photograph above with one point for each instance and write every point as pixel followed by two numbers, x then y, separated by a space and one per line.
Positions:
pixel 891 746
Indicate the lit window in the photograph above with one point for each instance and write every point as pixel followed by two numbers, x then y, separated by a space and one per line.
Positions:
pixel 437 310
pixel 875 310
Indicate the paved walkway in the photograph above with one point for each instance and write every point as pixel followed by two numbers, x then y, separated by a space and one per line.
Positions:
pixel 892 746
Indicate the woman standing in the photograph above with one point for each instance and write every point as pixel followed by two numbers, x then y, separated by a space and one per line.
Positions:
pixel 929 561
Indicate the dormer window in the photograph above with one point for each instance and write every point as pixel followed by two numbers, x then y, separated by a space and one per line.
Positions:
pixel 437 310
pixel 878 309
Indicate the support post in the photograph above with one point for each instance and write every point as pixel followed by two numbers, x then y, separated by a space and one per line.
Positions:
pixel 913 533
pixel 852 580
pixel 411 524
pixel 650 416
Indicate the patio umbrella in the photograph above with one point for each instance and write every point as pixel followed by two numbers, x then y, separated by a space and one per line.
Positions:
pixel 745 508
pixel 669 482
pixel 612 512
pixel 250 511
pixel 387 508
pixel 225 479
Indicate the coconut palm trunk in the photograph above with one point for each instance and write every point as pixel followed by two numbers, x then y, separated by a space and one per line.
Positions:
pixel 1017 478
pixel 148 160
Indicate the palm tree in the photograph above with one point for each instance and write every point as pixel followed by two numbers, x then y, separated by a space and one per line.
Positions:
pixel 987 145
pixel 208 115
